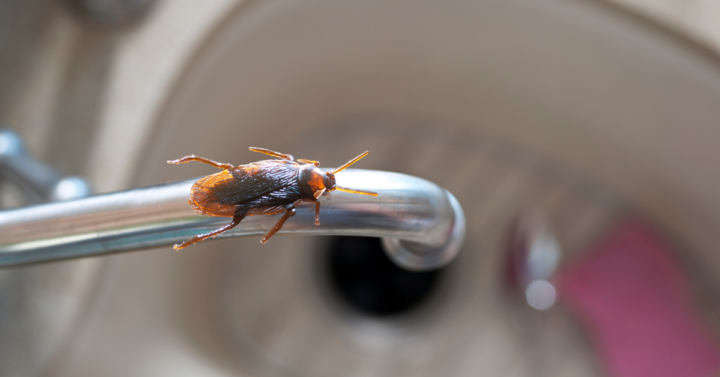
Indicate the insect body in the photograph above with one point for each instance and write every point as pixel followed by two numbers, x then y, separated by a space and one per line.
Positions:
pixel 266 187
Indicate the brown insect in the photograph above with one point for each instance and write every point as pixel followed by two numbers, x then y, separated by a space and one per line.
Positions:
pixel 265 187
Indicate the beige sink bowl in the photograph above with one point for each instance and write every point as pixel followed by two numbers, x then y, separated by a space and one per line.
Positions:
pixel 571 106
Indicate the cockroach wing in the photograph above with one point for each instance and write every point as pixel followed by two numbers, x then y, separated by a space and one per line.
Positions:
pixel 263 187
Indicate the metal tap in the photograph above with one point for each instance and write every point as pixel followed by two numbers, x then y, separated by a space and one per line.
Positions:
pixel 422 224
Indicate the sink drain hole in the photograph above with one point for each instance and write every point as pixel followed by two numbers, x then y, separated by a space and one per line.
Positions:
pixel 364 277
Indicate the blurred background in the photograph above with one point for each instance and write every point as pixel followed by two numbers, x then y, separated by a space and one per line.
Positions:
pixel 580 136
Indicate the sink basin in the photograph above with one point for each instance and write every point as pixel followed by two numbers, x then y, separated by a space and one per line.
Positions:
pixel 572 107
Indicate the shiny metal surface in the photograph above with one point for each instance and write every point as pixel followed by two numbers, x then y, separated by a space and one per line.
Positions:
pixel 420 256
pixel 37 181
pixel 534 256
pixel 423 222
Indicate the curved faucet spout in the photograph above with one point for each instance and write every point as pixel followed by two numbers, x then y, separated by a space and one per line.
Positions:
pixel 422 224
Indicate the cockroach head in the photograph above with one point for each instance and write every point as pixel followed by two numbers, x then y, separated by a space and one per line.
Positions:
pixel 329 181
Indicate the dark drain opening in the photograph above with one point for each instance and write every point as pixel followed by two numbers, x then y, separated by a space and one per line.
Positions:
pixel 368 281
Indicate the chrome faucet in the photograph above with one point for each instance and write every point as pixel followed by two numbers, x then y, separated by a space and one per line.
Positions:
pixel 422 225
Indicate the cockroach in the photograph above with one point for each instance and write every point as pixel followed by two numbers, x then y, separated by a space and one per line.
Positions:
pixel 265 187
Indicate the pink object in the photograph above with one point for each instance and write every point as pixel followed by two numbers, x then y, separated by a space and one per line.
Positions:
pixel 635 301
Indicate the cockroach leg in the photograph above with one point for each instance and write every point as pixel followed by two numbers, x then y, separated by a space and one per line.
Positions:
pixel 317 210
pixel 317 213
pixel 204 160
pixel 290 213
pixel 273 153
pixel 304 161
pixel 235 221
